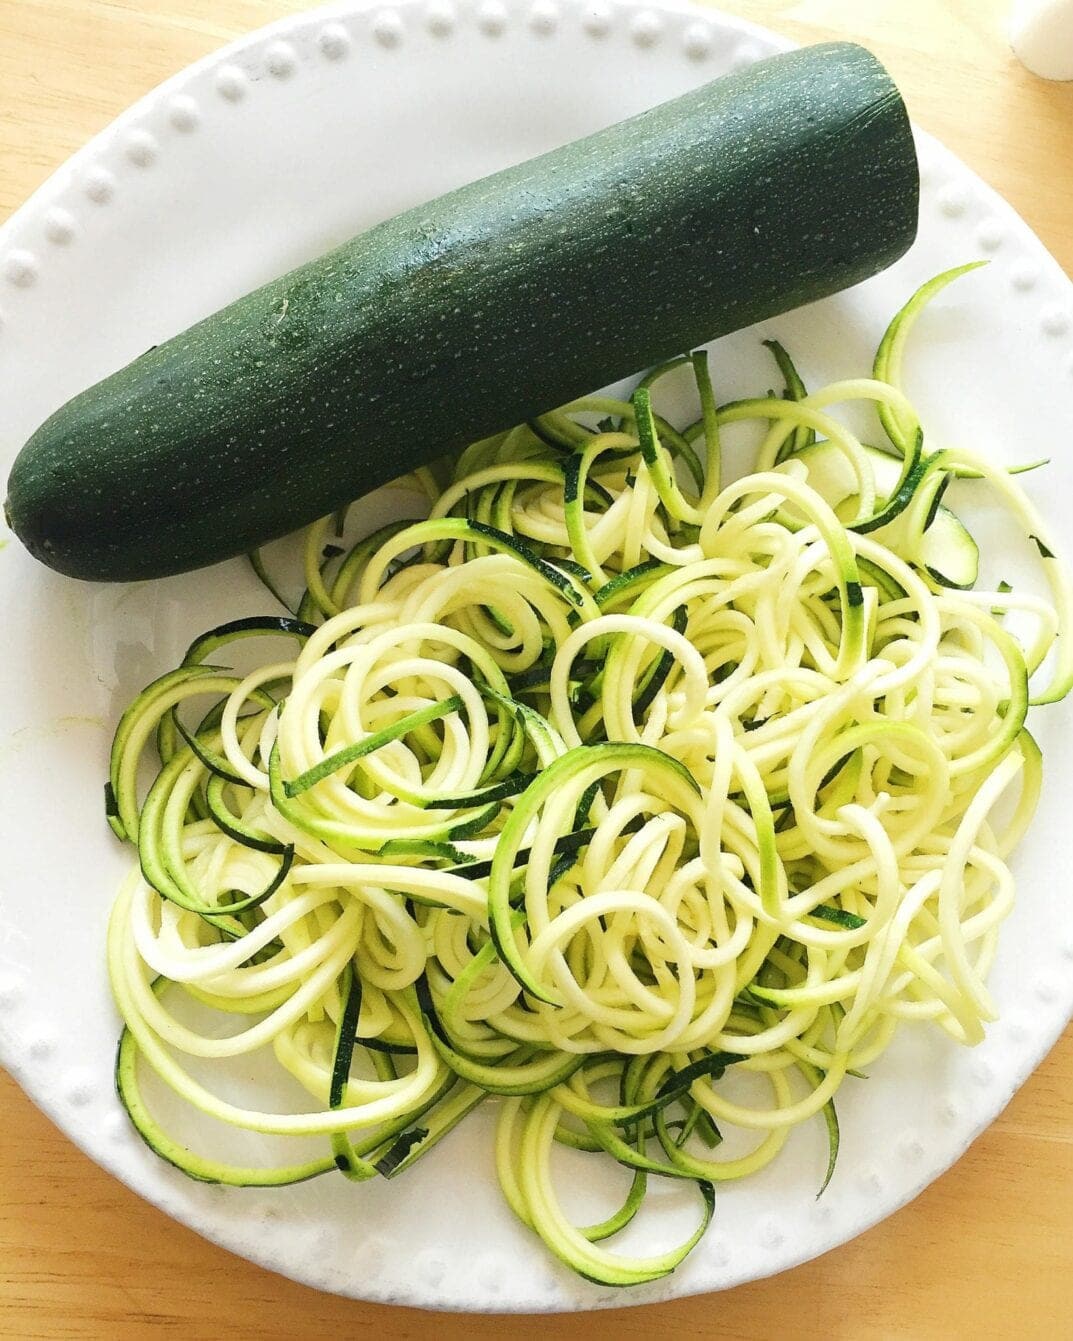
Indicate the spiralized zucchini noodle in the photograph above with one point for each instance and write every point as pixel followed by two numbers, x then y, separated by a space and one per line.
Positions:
pixel 607 781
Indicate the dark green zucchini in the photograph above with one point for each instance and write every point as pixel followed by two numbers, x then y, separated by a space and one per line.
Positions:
pixel 766 189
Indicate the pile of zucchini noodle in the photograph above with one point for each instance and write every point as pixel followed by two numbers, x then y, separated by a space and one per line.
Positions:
pixel 603 783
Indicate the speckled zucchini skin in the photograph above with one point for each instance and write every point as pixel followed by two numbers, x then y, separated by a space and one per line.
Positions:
pixel 754 194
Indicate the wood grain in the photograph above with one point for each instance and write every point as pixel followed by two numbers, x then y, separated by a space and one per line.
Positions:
pixel 984 1252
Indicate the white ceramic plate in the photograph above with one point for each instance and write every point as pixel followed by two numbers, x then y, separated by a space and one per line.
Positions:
pixel 253 161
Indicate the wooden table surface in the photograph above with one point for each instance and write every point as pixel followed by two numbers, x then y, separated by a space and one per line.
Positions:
pixel 985 1252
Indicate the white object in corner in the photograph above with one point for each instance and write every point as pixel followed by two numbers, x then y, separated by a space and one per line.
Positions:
pixel 1041 34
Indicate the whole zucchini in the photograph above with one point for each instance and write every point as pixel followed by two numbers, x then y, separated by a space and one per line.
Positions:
pixel 756 193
